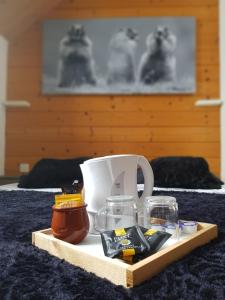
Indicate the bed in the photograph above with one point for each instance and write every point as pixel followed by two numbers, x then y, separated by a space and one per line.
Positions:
pixel 30 273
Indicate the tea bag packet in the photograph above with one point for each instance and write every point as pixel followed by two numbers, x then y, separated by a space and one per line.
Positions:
pixel 155 239
pixel 70 197
pixel 68 200
pixel 124 242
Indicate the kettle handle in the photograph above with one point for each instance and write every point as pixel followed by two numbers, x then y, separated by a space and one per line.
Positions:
pixel 148 177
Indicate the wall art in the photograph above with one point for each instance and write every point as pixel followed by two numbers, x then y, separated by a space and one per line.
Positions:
pixel 154 55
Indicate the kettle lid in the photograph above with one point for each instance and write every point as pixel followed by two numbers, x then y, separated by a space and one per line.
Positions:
pixel 107 157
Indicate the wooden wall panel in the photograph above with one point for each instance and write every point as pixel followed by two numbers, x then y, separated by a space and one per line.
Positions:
pixel 106 134
pixel 151 125
pixel 123 119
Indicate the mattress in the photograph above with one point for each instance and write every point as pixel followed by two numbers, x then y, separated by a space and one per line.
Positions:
pixel 14 187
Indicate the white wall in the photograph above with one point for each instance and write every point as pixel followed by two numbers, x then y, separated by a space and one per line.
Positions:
pixel 222 84
pixel 3 77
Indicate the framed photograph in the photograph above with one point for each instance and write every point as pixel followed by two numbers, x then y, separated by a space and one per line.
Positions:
pixel 152 55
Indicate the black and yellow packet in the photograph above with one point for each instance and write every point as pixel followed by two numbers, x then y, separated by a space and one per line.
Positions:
pixel 132 243
pixel 155 240
pixel 124 242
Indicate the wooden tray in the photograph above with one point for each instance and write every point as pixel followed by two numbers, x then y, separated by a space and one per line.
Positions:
pixel 89 255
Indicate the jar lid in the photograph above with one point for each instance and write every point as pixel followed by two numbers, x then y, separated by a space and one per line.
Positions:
pixel 160 199
pixel 120 198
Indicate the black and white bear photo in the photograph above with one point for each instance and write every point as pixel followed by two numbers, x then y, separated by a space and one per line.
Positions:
pixel 158 63
pixel 119 56
pixel 121 63
pixel 76 63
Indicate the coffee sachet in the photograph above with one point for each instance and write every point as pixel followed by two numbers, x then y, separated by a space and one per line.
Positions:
pixel 155 239
pixel 124 242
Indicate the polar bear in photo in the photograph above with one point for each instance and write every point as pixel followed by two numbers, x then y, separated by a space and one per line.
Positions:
pixel 158 63
pixel 121 63
pixel 76 63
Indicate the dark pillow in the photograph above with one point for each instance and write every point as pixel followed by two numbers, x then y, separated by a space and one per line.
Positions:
pixel 183 172
pixel 53 173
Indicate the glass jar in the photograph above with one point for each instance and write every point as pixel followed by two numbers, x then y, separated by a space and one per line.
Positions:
pixel 70 224
pixel 161 213
pixel 119 212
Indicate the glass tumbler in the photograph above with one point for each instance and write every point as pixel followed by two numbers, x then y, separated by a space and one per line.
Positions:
pixel 119 212
pixel 161 213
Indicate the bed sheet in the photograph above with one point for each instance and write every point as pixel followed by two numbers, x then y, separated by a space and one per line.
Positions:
pixel 14 187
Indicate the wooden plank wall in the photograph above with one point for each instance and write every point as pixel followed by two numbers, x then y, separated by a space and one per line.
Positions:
pixel 153 125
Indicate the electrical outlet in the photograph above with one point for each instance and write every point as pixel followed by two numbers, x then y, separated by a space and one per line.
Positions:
pixel 24 167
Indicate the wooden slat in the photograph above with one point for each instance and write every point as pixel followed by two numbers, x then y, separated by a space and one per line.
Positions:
pixel 25 60
pixel 124 103
pixel 168 134
pixel 16 91
pixel 98 148
pixel 214 165
pixel 74 119
pixel 203 13
pixel 74 4
pixel 115 134
pixel 207 58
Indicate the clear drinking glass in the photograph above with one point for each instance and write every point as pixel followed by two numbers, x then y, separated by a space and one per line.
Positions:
pixel 119 212
pixel 161 213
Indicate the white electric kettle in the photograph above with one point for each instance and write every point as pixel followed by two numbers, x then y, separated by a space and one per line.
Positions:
pixel 114 175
